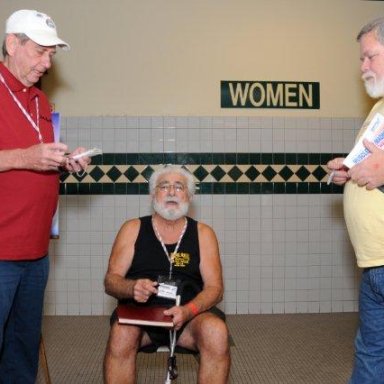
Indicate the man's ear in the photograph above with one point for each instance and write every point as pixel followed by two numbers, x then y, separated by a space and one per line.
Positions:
pixel 11 43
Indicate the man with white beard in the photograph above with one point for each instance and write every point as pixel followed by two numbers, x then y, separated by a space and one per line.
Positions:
pixel 364 216
pixel 172 248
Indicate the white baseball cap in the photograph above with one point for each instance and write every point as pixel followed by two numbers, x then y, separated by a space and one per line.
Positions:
pixel 38 26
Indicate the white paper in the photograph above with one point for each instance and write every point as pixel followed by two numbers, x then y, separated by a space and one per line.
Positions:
pixel 373 133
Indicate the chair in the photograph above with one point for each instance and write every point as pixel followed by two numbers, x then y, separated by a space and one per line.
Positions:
pixel 43 361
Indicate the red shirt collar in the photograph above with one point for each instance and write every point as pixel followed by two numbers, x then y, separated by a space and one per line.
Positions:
pixel 14 84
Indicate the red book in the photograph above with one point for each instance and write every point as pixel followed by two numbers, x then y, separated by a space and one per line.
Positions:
pixel 152 316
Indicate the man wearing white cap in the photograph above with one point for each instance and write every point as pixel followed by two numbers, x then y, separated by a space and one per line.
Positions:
pixel 29 184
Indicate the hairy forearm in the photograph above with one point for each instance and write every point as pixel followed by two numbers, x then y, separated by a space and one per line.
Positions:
pixel 208 297
pixel 118 287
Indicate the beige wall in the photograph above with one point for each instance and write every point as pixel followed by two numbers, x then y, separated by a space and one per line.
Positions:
pixel 167 57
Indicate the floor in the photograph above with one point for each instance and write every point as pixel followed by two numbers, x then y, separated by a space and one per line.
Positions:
pixel 267 349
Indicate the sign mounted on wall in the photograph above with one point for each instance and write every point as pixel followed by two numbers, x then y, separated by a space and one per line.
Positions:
pixel 270 94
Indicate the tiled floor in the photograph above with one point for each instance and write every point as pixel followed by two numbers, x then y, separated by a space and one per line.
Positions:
pixel 268 349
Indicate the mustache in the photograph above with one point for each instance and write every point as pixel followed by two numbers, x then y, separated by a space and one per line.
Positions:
pixel 365 76
pixel 171 200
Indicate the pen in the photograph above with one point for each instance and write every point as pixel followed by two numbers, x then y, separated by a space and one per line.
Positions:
pixel 330 177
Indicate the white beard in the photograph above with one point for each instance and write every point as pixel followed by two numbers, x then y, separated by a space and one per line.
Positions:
pixel 171 213
pixel 373 85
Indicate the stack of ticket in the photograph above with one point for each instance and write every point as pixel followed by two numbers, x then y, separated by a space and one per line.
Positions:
pixel 373 133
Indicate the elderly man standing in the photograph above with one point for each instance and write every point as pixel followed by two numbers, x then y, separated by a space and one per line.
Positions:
pixel 170 246
pixel 364 216
pixel 29 186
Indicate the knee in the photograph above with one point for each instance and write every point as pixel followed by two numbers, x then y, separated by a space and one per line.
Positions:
pixel 214 336
pixel 123 342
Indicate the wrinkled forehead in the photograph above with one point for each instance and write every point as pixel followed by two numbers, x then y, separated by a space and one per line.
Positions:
pixel 172 178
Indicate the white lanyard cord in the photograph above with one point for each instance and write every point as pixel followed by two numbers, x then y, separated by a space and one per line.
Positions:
pixel 170 257
pixel 25 113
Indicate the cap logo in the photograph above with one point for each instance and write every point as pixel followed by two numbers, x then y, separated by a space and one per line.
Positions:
pixel 50 23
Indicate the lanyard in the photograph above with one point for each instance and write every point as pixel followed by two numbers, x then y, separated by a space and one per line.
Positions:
pixel 25 113
pixel 170 257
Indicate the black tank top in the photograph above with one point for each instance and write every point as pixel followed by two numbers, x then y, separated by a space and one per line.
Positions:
pixel 150 261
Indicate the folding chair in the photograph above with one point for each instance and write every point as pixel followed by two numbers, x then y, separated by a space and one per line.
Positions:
pixel 43 361
pixel 172 349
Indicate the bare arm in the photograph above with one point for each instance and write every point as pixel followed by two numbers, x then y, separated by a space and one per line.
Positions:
pixel 42 157
pixel 120 261
pixel 39 157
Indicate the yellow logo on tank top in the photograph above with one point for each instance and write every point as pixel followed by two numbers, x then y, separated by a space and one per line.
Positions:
pixel 181 259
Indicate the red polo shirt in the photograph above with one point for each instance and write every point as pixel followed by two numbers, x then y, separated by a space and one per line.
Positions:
pixel 28 199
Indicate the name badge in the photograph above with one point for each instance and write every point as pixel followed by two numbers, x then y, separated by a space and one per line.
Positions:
pixel 167 291
pixel 167 287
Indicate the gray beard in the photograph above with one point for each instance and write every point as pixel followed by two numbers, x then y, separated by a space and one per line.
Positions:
pixel 171 213
pixel 375 87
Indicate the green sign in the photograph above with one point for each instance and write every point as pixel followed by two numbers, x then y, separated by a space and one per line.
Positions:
pixel 270 94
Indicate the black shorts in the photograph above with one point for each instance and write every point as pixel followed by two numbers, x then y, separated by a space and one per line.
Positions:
pixel 159 336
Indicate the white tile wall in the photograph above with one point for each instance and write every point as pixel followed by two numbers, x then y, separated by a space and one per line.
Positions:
pixel 280 253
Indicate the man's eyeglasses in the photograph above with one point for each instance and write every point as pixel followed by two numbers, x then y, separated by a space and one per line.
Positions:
pixel 177 187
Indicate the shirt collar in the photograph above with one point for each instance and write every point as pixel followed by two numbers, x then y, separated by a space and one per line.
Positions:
pixel 14 84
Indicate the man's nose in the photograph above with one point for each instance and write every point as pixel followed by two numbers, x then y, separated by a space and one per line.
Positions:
pixel 47 61
pixel 364 65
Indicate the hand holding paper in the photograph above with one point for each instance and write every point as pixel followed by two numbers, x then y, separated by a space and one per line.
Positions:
pixel 374 133
pixel 370 172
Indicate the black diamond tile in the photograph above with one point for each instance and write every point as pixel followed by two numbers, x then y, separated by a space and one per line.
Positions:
pixel 218 173
pixel 235 173
pixel 147 172
pixel 269 173
pixel 79 175
pixel 302 173
pixel 252 173
pixel 201 173
pixel 319 173
pixel 286 173
pixel 114 173
pixel 64 176
pixel 96 173
pixel 131 173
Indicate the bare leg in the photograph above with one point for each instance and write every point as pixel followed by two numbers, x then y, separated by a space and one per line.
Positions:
pixel 209 335
pixel 120 354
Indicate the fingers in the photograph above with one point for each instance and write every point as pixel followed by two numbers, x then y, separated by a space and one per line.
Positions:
pixel 370 146
pixel 77 165
pixel 144 289
pixel 336 164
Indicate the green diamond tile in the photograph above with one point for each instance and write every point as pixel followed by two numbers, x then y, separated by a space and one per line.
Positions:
pixel 131 173
pixel 147 172
pixel 218 173
pixel 235 173
pixel 302 173
pixel 269 173
pixel 252 173
pixel 319 173
pixel 114 173
pixel 96 173
pixel 79 176
pixel 286 173
pixel 201 173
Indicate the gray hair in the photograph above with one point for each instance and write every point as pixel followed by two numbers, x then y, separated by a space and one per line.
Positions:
pixel 170 168
pixel 21 36
pixel 377 26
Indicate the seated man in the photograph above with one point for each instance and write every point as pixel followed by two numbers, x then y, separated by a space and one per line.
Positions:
pixel 168 245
